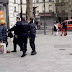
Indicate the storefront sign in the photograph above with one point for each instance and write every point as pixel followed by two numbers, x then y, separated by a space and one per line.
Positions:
pixel 2 15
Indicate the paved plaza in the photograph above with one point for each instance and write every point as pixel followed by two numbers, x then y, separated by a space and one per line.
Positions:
pixel 54 54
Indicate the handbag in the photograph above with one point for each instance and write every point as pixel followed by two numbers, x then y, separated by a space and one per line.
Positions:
pixel 2 48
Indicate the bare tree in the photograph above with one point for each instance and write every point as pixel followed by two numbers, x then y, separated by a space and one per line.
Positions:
pixel 65 9
pixel 29 9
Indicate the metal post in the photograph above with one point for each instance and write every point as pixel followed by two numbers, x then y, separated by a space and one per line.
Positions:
pixel 34 12
pixel 21 8
pixel 44 20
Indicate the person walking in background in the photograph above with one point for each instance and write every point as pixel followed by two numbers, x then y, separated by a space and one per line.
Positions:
pixel 64 29
pixel 38 25
pixel 56 28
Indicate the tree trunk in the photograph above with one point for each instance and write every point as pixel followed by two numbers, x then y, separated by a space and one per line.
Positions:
pixel 29 9
pixel 69 8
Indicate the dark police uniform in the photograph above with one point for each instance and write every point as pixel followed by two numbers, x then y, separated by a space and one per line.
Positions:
pixel 32 35
pixel 15 40
pixel 21 31
pixel 25 33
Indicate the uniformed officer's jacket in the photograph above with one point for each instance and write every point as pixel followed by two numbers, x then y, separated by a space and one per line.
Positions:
pixel 32 30
pixel 24 28
pixel 21 29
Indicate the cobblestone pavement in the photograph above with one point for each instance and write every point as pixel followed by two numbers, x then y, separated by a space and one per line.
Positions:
pixel 54 54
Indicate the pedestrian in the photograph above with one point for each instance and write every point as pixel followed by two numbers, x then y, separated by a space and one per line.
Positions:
pixel 64 29
pixel 38 25
pixel 56 28
pixel 32 35
pixel 3 33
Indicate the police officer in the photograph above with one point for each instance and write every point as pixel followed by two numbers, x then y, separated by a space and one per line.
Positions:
pixel 32 35
pixel 20 34
pixel 25 32
pixel 15 40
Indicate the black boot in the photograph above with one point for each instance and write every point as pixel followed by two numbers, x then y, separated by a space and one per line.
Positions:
pixel 23 55
pixel 33 53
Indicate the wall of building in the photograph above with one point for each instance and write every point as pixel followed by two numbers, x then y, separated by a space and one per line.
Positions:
pixel 49 8
pixel 14 10
pixel 64 9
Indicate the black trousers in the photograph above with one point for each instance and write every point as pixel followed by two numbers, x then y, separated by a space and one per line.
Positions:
pixel 15 43
pixel 21 42
pixel 15 46
pixel 32 43
pixel 25 40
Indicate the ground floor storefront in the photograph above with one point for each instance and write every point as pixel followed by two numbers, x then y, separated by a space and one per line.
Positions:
pixel 47 18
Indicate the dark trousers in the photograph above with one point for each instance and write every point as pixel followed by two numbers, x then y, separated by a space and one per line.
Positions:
pixel 32 43
pixel 15 46
pixel 19 41
pixel 21 44
pixel 15 42
pixel 25 43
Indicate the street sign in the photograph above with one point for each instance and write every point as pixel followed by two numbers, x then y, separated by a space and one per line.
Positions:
pixel 2 15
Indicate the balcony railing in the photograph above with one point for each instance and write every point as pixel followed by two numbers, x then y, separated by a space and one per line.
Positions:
pixel 60 4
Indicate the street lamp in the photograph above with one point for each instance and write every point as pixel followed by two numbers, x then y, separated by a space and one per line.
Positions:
pixel 21 9
pixel 44 20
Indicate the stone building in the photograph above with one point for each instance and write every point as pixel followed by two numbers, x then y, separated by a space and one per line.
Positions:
pixel 11 9
pixel 49 14
pixel 63 9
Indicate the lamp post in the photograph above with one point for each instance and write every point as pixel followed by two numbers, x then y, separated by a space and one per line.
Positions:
pixel 44 20
pixel 21 9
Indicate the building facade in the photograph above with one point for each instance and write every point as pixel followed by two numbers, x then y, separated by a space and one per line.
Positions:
pixel 38 11
pixel 12 9
pixel 64 9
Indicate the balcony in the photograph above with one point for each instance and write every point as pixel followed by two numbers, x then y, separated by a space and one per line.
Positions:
pixel 47 14
pixel 3 1
pixel 60 4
